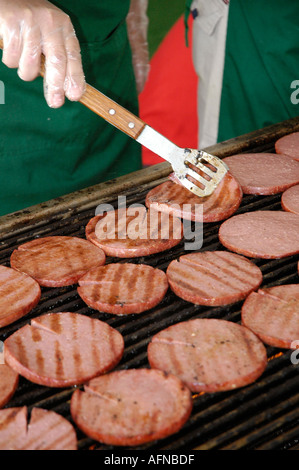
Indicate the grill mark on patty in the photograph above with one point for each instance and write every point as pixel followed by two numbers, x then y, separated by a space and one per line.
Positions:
pixel 55 324
pixel 184 284
pixel 240 264
pixel 186 279
pixel 148 282
pixel 115 285
pixel 36 335
pixel 94 346
pixel 247 344
pixel 40 361
pixel 131 283
pixel 177 278
pixel 17 284
pixel 77 357
pixel 21 351
pixel 8 419
pixel 176 360
pixel 74 327
pixel 58 356
pixel 75 257
pixel 210 270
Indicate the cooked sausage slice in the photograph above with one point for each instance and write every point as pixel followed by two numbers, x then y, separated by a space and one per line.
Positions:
pixel 132 232
pixel 131 407
pixel 173 198
pixel 9 380
pixel 46 430
pixel 273 315
pixel 262 234
pixel 209 355
pixel 123 288
pixel 58 260
pixel 19 294
pixel 288 145
pixel 63 349
pixel 263 173
pixel 213 277
pixel 290 200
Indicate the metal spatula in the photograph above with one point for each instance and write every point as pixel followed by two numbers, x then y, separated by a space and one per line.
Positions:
pixel 197 170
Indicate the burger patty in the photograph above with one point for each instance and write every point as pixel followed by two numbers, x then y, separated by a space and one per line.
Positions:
pixel 57 261
pixel 175 199
pixel 130 232
pixel 213 277
pixel 123 288
pixel 208 355
pixel 63 349
pixel 262 234
pixel 131 407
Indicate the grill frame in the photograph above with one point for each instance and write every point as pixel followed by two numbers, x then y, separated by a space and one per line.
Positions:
pixel 263 415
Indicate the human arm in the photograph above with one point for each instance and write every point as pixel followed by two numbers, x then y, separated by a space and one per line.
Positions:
pixel 30 28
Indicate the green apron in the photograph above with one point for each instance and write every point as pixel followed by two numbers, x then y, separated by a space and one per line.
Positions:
pixel 44 152
pixel 261 62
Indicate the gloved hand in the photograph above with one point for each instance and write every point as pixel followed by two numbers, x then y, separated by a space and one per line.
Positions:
pixel 137 24
pixel 32 27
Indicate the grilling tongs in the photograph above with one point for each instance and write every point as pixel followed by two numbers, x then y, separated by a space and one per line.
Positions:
pixel 197 170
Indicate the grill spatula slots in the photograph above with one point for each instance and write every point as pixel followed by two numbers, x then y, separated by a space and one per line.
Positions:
pixel 197 170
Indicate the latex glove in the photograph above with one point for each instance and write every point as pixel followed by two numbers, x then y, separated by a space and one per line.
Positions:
pixel 137 25
pixel 32 27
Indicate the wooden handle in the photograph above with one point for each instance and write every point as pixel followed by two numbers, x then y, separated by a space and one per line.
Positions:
pixel 108 109
pixel 112 112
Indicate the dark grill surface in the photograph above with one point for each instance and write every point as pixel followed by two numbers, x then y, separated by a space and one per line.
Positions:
pixel 264 415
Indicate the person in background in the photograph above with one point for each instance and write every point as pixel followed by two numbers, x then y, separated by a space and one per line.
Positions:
pixel 54 146
pixel 245 54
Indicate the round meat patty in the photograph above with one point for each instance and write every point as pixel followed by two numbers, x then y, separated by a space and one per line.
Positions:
pixel 131 407
pixel 273 315
pixel 209 355
pixel 288 145
pixel 290 200
pixel 123 288
pixel 134 231
pixel 46 430
pixel 173 198
pixel 19 294
pixel 9 380
pixel 57 261
pixel 213 277
pixel 63 349
pixel 262 234
pixel 263 173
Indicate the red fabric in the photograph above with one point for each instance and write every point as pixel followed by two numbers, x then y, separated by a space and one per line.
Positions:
pixel 168 102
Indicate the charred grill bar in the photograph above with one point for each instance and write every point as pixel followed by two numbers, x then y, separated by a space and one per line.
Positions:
pixel 263 415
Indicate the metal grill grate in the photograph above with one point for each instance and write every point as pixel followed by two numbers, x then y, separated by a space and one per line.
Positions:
pixel 263 415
